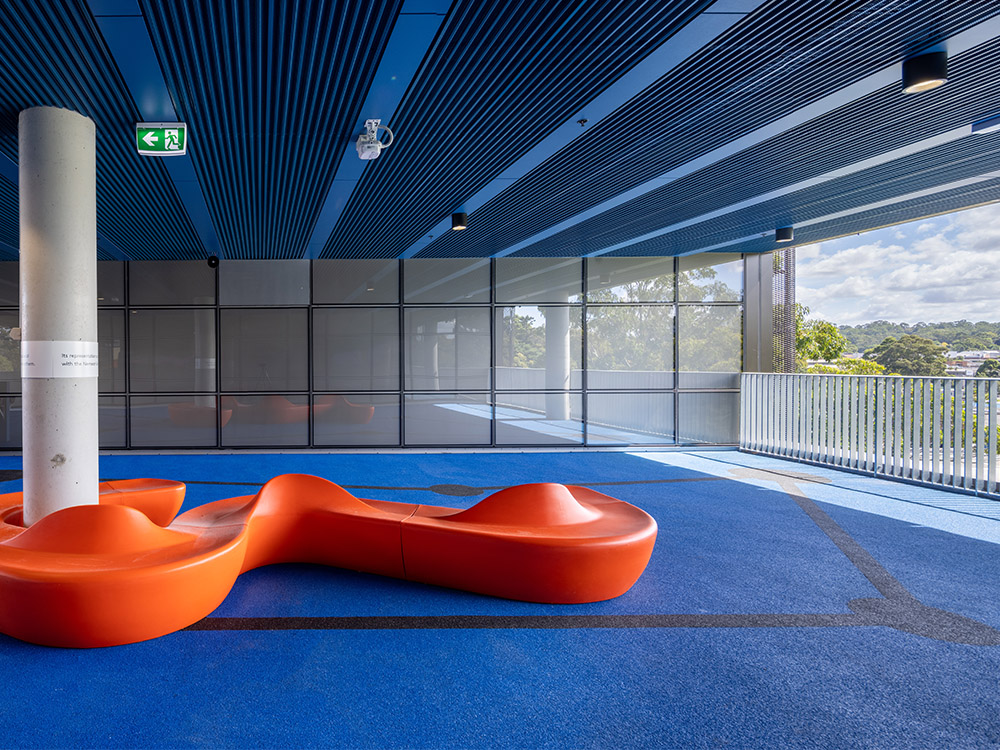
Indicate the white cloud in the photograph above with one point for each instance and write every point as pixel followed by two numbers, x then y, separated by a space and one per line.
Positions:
pixel 950 272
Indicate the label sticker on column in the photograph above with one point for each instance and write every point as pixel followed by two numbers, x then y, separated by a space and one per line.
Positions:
pixel 59 359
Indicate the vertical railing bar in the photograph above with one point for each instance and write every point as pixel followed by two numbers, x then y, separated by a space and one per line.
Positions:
pixel 845 417
pixel 897 449
pixel 994 391
pixel 772 432
pixel 957 414
pixel 782 415
pixel 879 444
pixel 925 436
pixel 947 414
pixel 829 418
pixel 909 426
pixel 797 417
pixel 968 405
pixel 936 431
pixel 856 395
pixel 981 425
pixel 838 405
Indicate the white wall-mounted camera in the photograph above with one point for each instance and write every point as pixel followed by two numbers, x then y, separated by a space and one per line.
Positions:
pixel 369 145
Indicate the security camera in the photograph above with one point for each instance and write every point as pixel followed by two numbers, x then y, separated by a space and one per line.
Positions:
pixel 369 145
pixel 213 261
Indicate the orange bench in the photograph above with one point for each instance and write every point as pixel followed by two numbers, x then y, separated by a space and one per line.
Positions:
pixel 126 570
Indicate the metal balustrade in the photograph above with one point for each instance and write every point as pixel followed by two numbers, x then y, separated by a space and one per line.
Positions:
pixel 935 431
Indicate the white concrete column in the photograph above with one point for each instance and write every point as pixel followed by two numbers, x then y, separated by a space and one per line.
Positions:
pixel 557 362
pixel 58 267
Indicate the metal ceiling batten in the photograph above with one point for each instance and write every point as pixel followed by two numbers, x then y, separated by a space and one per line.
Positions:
pixel 298 73
pixel 52 54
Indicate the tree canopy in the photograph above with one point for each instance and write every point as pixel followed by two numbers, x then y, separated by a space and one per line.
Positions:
pixel 909 355
pixel 989 369
pixel 815 339
pixel 959 335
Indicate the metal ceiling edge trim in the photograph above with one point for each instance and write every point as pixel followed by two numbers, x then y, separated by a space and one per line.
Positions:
pixel 706 26
pixel 132 50
pixel 961 42
pixel 856 210
pixel 914 148
pixel 411 38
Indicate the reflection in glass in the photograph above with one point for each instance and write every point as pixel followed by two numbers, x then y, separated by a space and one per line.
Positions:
pixel 710 277
pixel 356 419
pixel 272 419
pixel 10 354
pixel 10 283
pixel 708 418
pixel 630 347
pixel 356 348
pixel 172 421
pixel 171 282
pixel 538 280
pixel 630 418
pixel 447 348
pixel 446 281
pixel 111 351
pixel 355 282
pixel 261 283
pixel 171 350
pixel 539 348
pixel 630 280
pixel 10 422
pixel 264 350
pixel 710 346
pixel 110 282
pixel 522 419
pixel 111 421
pixel 447 419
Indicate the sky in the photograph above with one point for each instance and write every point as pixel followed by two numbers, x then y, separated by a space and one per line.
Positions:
pixel 940 269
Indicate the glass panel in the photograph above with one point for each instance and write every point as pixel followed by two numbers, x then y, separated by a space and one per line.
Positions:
pixel 356 348
pixel 110 282
pixel 630 418
pixel 260 283
pixel 355 282
pixel 446 281
pixel 172 350
pixel 111 421
pixel 630 280
pixel 630 347
pixel 171 282
pixel 10 354
pixel 538 280
pixel 10 422
pixel 710 346
pixel 448 419
pixel 111 351
pixel 265 420
pixel 710 277
pixel 264 350
pixel 447 348
pixel 708 418
pixel 172 421
pixel 539 419
pixel 9 283
pixel 539 348
pixel 356 419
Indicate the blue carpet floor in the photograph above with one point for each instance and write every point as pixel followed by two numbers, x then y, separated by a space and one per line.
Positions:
pixel 833 618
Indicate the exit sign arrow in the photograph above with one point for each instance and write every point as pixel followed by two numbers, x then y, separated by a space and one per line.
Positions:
pixel 161 138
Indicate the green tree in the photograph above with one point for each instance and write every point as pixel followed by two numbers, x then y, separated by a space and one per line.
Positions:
pixel 989 369
pixel 909 355
pixel 815 339
pixel 848 366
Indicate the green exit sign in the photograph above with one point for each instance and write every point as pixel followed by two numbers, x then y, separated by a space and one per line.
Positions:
pixel 161 138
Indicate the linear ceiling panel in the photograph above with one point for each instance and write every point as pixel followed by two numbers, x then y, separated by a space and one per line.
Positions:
pixel 270 90
pixel 780 59
pixel 502 74
pixel 52 55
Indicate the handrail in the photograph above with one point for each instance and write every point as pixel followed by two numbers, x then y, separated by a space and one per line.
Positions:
pixel 935 431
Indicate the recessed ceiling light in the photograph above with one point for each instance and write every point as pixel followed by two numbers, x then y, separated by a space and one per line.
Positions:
pixel 784 234
pixel 459 221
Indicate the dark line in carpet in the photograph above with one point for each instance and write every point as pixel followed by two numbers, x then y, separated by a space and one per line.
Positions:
pixel 541 622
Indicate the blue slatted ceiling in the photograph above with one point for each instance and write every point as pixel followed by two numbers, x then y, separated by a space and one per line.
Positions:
pixel 501 75
pixel 776 61
pixel 52 54
pixel 272 90
pixel 943 165
pixel 876 124
pixel 9 220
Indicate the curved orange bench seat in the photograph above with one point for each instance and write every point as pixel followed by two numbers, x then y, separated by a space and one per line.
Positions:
pixel 127 570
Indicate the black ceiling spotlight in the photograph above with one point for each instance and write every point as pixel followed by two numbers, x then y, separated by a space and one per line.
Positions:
pixel 213 261
pixel 925 72
pixel 459 220
pixel 784 234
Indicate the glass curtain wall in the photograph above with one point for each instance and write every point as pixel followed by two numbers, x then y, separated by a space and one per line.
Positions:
pixel 415 353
